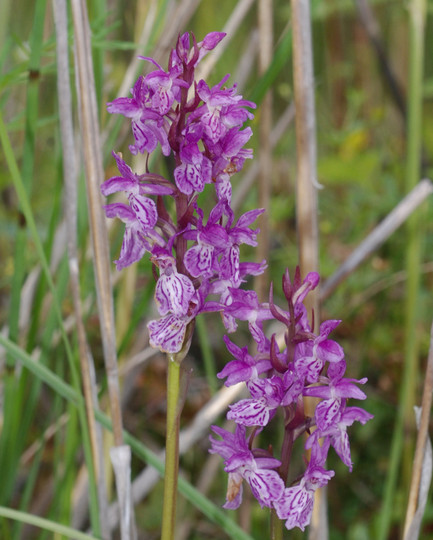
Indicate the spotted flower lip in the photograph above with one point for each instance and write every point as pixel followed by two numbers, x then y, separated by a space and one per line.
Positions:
pixel 168 333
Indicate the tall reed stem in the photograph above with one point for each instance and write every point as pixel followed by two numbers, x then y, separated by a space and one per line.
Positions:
pixel 171 450
pixel 417 12
pixel 306 193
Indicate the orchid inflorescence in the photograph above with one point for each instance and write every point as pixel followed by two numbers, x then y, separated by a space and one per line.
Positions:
pixel 200 271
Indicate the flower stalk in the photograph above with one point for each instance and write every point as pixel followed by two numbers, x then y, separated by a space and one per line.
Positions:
pixel 171 449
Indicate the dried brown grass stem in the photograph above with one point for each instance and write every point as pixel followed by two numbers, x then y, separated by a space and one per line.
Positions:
pixel 70 178
pixel 418 465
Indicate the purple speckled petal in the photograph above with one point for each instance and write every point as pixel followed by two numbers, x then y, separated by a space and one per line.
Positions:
pixel 133 246
pixel 249 412
pixel 146 140
pixel 341 445
pixel 173 293
pixel 145 210
pixel 188 178
pixel 230 264
pixel 330 351
pixel 267 486
pixel 125 106
pixel 295 506
pixel 327 413
pixel 168 333
pixel 198 260
pixel 115 184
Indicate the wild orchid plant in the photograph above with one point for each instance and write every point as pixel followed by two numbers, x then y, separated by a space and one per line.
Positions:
pixel 200 271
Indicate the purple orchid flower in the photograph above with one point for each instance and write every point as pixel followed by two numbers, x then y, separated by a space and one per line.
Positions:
pixel 296 503
pixel 173 291
pixel 266 397
pixel 241 464
pixel 245 306
pixel 334 393
pixel 222 109
pixel 148 126
pixel 310 356
pixel 245 368
pixel 164 86
pixel 195 170
pixel 336 434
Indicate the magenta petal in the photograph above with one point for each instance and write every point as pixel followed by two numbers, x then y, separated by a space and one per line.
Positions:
pixel 234 492
pixel 330 351
pixel 115 184
pixel 121 211
pixel 292 505
pixel 145 138
pixel 342 447
pixel 125 106
pixel 230 264
pixel 212 39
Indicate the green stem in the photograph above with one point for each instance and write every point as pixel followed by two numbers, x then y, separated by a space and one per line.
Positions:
pixel 276 526
pixel 171 450
pixel 401 445
pixel 207 354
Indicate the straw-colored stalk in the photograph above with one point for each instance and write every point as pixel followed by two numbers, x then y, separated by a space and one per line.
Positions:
pixel 414 493
pixel 306 196
pixel 88 115
pixel 265 154
pixel 70 177
pixel 94 174
pixel 402 445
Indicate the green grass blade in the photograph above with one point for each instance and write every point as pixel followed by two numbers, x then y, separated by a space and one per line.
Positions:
pixel 45 524
pixel 401 446
pixel 13 435
pixel 279 62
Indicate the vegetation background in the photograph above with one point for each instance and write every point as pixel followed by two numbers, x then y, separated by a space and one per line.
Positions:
pixel 364 84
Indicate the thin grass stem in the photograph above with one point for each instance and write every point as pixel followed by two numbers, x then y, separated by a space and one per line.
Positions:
pixel 70 178
pixel 27 211
pixel 45 524
pixel 306 195
pixel 94 174
pixel 265 155
pixel 414 492
pixel 404 421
